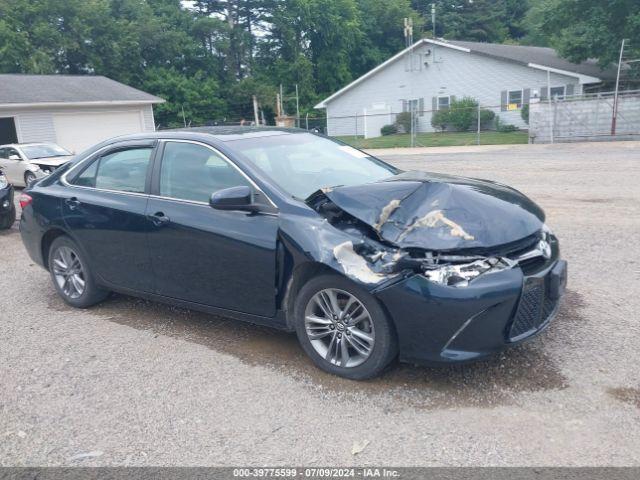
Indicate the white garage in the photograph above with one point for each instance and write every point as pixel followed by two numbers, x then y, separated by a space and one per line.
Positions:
pixel 74 111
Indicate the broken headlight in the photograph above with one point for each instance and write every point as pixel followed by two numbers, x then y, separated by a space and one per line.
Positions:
pixel 459 275
pixel 3 181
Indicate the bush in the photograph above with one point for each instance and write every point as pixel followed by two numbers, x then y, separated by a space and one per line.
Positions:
pixel 505 127
pixel 403 120
pixel 389 130
pixel 524 113
pixel 462 115
pixel 486 118
pixel 439 119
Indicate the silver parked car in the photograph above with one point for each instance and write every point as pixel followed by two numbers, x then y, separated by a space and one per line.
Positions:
pixel 25 163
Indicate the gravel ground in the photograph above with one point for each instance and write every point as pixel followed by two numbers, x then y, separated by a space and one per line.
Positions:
pixel 136 383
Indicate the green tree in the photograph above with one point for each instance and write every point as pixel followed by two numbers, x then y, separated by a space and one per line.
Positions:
pixel 583 29
pixel 478 20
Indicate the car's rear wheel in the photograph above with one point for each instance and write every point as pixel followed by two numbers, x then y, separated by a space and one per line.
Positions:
pixel 29 178
pixel 343 328
pixel 9 219
pixel 71 275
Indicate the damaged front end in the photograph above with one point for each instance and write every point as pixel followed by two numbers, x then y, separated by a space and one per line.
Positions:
pixel 464 267
pixel 449 232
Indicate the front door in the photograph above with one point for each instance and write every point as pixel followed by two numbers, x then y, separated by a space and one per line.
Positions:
pixel 105 210
pixel 224 259
pixel 12 164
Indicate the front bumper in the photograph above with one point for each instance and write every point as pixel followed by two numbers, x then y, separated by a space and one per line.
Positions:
pixel 441 324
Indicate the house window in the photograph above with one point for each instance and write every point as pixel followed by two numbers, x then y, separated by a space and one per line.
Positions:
pixel 443 102
pixel 557 92
pixel 514 99
pixel 415 105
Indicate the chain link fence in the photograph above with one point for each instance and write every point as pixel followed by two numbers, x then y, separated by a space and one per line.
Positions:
pixel 459 125
pixel 582 117
pixel 591 117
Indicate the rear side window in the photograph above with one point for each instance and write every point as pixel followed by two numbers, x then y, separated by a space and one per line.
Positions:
pixel 194 172
pixel 123 171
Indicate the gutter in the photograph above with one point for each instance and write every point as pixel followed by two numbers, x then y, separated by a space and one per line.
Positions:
pixel 100 103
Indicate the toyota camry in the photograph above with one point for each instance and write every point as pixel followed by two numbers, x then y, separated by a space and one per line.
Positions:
pixel 293 230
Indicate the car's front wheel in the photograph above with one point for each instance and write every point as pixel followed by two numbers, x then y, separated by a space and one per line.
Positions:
pixel 343 328
pixel 29 178
pixel 71 275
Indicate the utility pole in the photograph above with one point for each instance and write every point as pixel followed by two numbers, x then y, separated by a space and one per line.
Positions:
pixel 297 107
pixel 281 101
pixel 550 113
pixel 433 19
pixel 614 116
pixel 478 122
pixel 255 110
pixel 184 119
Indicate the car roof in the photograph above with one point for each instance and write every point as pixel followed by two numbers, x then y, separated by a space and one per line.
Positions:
pixel 220 134
pixel 31 144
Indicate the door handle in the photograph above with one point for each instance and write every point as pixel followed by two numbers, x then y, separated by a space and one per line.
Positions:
pixel 159 219
pixel 72 203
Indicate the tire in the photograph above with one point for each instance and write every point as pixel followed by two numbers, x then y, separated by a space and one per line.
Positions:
pixel 29 178
pixel 7 221
pixel 65 250
pixel 326 348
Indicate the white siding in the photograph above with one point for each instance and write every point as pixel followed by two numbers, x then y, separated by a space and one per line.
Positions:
pixel 38 125
pixel 149 121
pixel 454 73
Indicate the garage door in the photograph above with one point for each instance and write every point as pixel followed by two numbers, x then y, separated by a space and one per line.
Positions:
pixel 78 131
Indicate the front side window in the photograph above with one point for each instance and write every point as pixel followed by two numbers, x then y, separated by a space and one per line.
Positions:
pixel 193 172
pixel 515 98
pixel 302 163
pixel 7 152
pixel 123 171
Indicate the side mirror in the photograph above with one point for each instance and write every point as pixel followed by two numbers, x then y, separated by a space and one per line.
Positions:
pixel 14 157
pixel 234 198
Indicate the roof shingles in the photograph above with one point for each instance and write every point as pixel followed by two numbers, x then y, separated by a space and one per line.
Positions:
pixel 34 89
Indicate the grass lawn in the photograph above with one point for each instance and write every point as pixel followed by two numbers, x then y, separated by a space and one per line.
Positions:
pixel 444 139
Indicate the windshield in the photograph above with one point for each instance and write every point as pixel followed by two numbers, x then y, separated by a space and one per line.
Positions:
pixel 44 151
pixel 302 163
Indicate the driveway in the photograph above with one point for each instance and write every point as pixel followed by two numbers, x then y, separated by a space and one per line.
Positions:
pixel 136 383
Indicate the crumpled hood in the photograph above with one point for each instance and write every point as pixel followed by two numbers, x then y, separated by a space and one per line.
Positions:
pixel 440 212
pixel 51 161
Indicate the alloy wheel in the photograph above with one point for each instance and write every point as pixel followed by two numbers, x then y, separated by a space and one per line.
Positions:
pixel 29 179
pixel 339 327
pixel 68 272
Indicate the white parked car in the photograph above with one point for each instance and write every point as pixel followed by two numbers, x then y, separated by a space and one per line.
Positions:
pixel 24 163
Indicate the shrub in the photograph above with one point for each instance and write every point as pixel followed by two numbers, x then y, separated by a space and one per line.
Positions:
pixel 524 113
pixel 439 119
pixel 505 127
pixel 462 115
pixel 403 120
pixel 486 118
pixel 389 130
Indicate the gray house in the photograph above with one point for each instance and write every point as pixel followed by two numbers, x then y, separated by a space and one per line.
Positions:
pixel 428 75
pixel 73 111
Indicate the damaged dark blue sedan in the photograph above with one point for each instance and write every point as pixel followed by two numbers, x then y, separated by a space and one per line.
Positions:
pixel 296 231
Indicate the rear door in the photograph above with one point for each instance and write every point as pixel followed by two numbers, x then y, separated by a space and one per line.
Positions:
pixel 105 210
pixel 225 259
